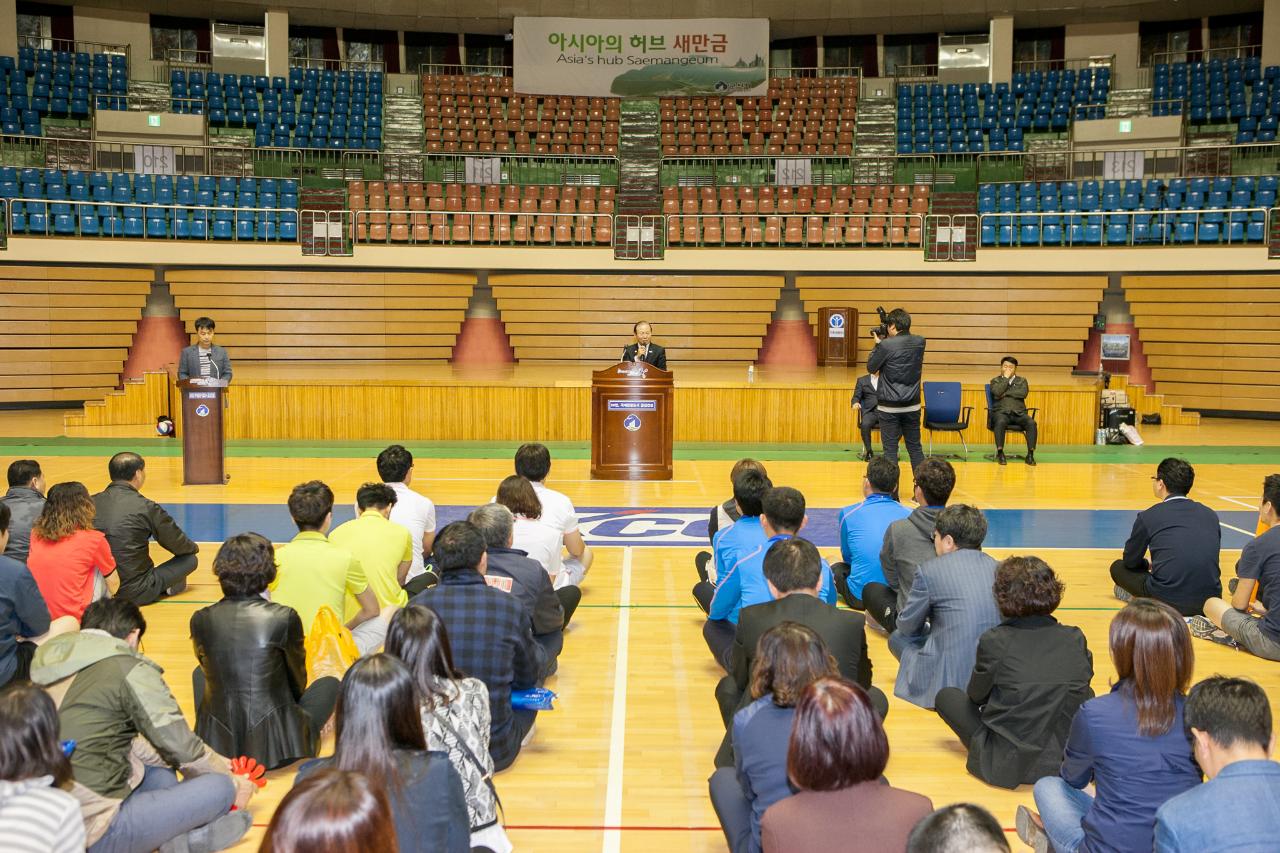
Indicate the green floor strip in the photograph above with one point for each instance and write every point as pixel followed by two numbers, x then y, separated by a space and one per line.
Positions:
pixel 687 451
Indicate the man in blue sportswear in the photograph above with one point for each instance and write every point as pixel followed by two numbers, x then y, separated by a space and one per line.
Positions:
pixel 732 543
pixel 862 528
pixel 744 585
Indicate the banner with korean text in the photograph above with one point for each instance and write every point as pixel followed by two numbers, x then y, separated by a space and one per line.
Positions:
pixel 647 58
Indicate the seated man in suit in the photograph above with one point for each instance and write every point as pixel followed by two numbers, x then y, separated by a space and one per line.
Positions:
pixel 908 542
pixel 644 349
pixel 204 359
pixel 1184 538
pixel 864 400
pixel 951 605
pixel 1009 407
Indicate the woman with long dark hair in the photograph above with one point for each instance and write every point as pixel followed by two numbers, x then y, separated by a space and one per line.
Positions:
pixel 36 810
pixel 455 715
pixel 379 734
pixel 1130 743
pixel 835 758
pixel 332 811
pixel 529 534
pixel 70 560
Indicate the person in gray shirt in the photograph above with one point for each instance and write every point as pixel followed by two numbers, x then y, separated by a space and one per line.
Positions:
pixel 25 500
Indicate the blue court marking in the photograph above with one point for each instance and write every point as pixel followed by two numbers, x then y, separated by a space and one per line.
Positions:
pixel 687 526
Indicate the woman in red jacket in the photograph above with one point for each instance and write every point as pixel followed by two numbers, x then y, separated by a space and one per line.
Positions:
pixel 68 554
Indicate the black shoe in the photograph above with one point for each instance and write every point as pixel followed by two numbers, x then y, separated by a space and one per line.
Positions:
pixel 1031 458
pixel 867 456
pixel 1000 458
pixel 1231 585
pixel 700 561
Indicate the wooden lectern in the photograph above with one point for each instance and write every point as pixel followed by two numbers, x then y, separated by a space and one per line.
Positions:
pixel 202 459
pixel 631 422
pixel 837 336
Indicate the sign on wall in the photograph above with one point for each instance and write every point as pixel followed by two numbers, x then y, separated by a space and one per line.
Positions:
pixel 647 58
pixel 154 159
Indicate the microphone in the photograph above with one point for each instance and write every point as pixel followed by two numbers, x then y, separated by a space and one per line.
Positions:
pixel 213 364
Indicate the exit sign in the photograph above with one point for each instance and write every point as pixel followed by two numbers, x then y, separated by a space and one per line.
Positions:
pixel 153 121
pixel 1126 125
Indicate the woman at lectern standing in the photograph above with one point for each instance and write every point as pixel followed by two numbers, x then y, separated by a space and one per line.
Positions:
pixel 644 349
pixel 204 359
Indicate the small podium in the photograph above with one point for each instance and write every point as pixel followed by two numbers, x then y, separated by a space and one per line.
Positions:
pixel 202 459
pixel 631 422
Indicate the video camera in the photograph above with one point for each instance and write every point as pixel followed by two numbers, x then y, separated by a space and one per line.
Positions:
pixel 881 331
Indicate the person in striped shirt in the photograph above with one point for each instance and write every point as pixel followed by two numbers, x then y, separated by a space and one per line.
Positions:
pixel 37 815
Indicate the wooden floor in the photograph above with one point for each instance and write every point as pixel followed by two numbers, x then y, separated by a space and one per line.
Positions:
pixel 622 763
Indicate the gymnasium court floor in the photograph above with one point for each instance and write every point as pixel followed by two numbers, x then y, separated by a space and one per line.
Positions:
pixel 622 763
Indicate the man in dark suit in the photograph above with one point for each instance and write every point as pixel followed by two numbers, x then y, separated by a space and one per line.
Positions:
pixel 204 359
pixel 1009 407
pixel 864 400
pixel 1184 538
pixel 644 349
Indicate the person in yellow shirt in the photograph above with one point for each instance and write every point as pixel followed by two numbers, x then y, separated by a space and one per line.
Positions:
pixel 314 573
pixel 384 548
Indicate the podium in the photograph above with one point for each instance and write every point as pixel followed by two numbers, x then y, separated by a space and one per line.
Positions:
pixel 202 458
pixel 631 422
pixel 837 336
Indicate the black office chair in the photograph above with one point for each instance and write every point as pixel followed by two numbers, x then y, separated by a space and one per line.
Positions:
pixel 1011 428
pixel 943 412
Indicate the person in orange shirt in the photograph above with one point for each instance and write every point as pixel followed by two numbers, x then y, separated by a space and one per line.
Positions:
pixel 70 560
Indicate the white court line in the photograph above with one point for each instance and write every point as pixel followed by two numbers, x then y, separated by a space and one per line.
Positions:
pixel 618 727
pixel 1253 505
pixel 1248 533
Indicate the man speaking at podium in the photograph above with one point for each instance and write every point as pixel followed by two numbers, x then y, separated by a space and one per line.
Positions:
pixel 204 359
pixel 644 349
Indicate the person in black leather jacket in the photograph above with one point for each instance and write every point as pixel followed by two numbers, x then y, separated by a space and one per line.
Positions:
pixel 899 359
pixel 250 689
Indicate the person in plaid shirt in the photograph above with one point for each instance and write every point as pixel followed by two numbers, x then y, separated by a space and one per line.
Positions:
pixel 490 633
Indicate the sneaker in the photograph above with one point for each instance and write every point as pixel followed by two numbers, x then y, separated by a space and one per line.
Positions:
pixel 700 561
pixel 866 456
pixel 1122 594
pixel 1031 830
pixel 1031 458
pixel 1000 458
pixel 1203 629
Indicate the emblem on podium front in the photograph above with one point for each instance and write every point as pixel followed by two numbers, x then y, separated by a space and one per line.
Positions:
pixel 202 411
pixel 631 423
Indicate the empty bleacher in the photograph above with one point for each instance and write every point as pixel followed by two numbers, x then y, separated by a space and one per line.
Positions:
pixel 40 84
pixel 482 113
pixel 800 115
pixel 67 330
pixel 1235 91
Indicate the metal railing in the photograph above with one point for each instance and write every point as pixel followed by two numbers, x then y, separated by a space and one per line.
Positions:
pixel 144 103
pixel 1206 54
pixel 909 75
pixel 638 238
pixel 109 156
pixel 813 230
pixel 842 72
pixel 733 170
pixel 200 217
pixel 185 57
pixel 1130 109
pixel 76 46
pixel 1255 158
pixel 436 228
pixel 372 65
pixel 1137 228
pixel 1029 65
pixel 460 69
pixel 523 169
pixel 947 237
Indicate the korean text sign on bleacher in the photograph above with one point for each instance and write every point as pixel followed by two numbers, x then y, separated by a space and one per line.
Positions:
pixel 620 58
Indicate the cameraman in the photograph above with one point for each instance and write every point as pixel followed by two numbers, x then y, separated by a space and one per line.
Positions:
pixel 898 359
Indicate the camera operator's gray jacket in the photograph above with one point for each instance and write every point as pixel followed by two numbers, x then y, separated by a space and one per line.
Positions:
pixel 899 360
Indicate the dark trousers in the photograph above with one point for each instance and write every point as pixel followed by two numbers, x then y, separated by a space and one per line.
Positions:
pixel 318 700
pixel 570 596
pixel 732 807
pixel 1001 422
pixel 869 421
pixel 905 426
pixel 168 578
pixel 719 634
pixel 1134 582
pixel 840 571
pixel 703 592
pixel 881 602
pixel 522 719
pixel 959 712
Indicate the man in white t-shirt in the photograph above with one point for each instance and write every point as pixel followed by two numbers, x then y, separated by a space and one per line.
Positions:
pixel 533 462
pixel 411 510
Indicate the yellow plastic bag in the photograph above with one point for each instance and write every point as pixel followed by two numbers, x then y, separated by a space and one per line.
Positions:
pixel 330 647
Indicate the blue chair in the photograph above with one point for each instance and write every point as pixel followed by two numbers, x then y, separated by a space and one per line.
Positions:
pixel 943 412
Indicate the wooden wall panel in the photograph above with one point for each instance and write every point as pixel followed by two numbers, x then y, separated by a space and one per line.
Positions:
pixel 302 315
pixel 1212 341
pixel 64 331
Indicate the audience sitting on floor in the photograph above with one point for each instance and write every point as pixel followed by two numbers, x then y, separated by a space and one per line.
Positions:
pixel 131 521
pixel 37 809
pixel 1130 743
pixel 1252 617
pixel 723 516
pixel 1183 537
pixel 862 529
pixel 23 613
pixel 1030 676
pixel 412 510
pixel 950 606
pixel 783 517
pixel 250 687
pixel 384 548
pixel 490 634
pixel 793 570
pixel 332 811
pixel 25 500
pixel 789 657
pixel 455 715
pixel 379 734
pixel 908 542
pixel 958 828
pixel 836 756
pixel 540 542
pixel 508 569
pixel 313 573
pixel 533 462
pixel 1238 808
pixel 131 740
pixel 741 538
pixel 70 560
